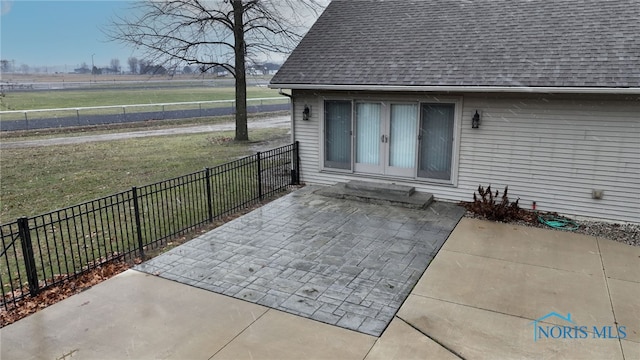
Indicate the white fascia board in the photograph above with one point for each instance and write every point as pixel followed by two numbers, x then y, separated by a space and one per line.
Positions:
pixel 474 89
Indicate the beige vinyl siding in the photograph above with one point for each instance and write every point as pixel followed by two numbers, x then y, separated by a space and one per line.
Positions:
pixel 553 150
pixel 307 133
pixel 556 151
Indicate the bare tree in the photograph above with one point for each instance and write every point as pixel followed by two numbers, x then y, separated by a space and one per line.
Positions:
pixel 210 33
pixel 83 69
pixel 133 64
pixel 115 65
pixel 143 66
pixel 5 66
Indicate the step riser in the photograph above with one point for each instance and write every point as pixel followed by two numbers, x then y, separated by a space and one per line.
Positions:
pixel 404 196
pixel 388 202
pixel 399 190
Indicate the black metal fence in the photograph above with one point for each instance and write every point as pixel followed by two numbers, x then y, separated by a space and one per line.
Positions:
pixel 44 250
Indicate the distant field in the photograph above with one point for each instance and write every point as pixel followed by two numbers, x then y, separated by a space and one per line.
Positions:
pixel 22 78
pixel 28 78
pixel 51 99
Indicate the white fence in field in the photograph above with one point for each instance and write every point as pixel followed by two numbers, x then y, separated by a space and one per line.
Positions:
pixel 97 115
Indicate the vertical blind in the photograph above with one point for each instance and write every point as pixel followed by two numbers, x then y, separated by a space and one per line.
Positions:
pixel 368 118
pixel 434 152
pixel 402 143
pixel 337 145
pixel 436 146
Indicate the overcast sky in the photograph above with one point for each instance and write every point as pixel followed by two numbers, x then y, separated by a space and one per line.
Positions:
pixel 63 34
pixel 59 33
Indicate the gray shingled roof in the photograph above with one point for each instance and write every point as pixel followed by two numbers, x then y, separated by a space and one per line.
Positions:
pixel 534 43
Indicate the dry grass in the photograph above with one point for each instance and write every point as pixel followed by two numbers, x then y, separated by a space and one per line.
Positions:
pixel 37 180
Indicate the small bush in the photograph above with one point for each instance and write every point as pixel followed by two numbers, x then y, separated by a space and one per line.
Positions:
pixel 492 206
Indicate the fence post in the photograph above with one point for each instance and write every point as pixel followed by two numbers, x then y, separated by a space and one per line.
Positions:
pixel 209 195
pixel 136 211
pixel 26 121
pixel 27 253
pixel 259 176
pixel 295 176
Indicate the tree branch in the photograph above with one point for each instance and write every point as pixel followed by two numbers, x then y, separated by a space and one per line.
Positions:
pixel 214 34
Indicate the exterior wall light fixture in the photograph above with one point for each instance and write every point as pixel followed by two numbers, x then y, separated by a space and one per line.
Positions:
pixel 306 113
pixel 475 122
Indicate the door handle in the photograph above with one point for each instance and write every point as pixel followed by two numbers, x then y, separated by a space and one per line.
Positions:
pixel 382 138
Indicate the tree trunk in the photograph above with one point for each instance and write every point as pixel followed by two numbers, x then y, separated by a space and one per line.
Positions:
pixel 242 133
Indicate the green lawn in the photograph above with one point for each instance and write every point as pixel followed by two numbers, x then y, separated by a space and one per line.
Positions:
pixel 86 98
pixel 37 180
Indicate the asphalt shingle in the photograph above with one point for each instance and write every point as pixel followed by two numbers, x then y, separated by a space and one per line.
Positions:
pixel 590 43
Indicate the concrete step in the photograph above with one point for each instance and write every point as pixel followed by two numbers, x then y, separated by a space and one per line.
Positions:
pixel 400 190
pixel 377 193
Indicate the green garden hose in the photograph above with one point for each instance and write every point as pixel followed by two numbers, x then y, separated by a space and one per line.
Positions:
pixel 557 222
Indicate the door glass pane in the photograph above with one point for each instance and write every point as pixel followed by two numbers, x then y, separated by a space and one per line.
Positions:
pixel 368 133
pixel 402 136
pixel 436 145
pixel 337 142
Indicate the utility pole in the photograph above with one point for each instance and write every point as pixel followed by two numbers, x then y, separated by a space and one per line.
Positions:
pixel 93 68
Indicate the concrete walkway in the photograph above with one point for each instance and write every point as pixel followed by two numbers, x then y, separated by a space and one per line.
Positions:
pixel 490 282
pixel 478 299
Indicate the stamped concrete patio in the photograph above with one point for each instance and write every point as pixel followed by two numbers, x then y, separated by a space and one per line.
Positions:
pixel 341 262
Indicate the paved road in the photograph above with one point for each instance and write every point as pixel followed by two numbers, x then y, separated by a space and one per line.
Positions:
pixel 260 123
pixel 86 120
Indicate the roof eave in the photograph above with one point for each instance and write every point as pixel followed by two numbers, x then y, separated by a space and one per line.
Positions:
pixel 475 89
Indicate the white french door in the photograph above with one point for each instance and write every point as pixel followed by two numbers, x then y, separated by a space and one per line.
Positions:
pixel 412 140
pixel 386 138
